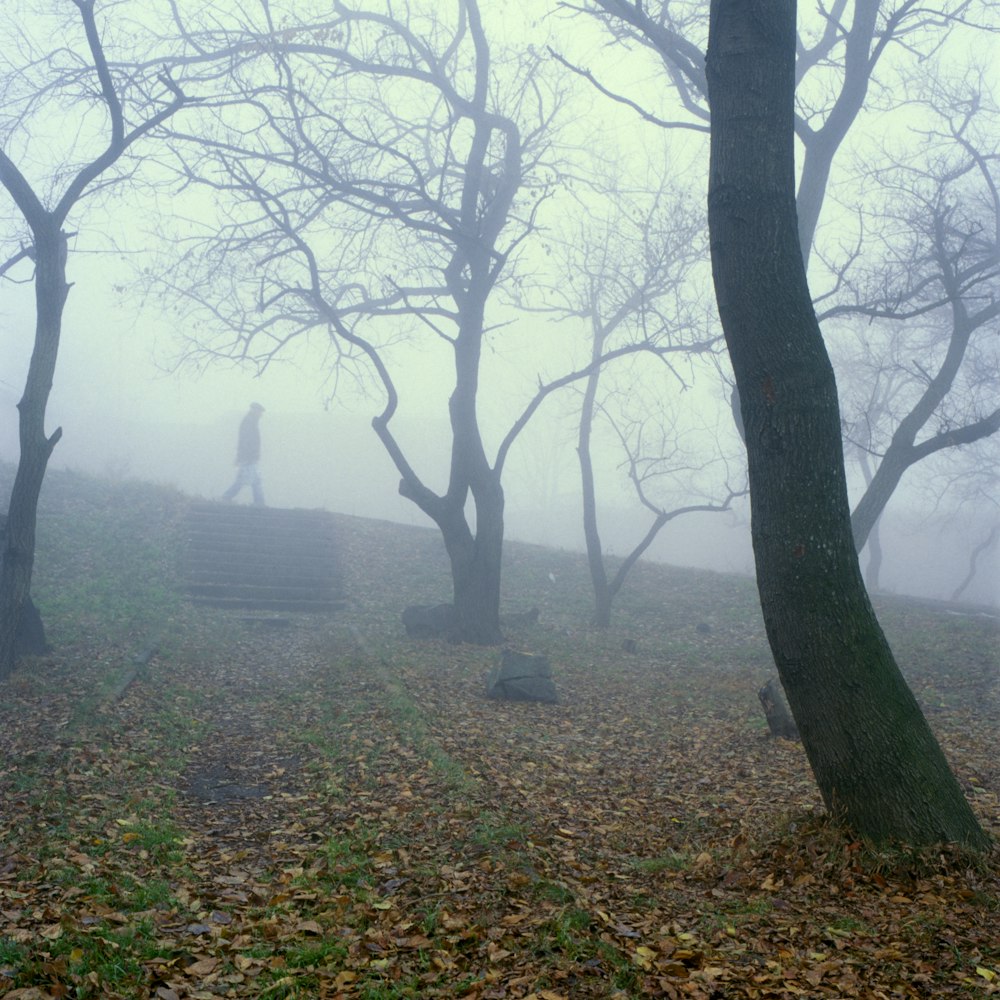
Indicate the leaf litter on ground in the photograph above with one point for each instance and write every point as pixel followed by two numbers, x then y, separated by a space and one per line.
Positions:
pixel 334 810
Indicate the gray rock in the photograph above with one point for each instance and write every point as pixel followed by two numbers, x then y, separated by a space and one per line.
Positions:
pixel 522 677
pixel 429 621
pixel 778 714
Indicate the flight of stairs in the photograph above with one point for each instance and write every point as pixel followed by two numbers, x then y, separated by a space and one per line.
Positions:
pixel 261 558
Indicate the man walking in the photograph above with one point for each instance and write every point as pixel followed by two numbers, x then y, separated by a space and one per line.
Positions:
pixel 247 457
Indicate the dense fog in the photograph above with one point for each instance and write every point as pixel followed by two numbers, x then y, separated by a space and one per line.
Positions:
pixel 130 405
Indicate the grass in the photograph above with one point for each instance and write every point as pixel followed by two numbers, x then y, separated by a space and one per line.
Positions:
pixel 429 842
pixel 672 862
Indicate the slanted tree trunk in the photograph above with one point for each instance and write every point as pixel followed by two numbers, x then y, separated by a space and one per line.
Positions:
pixel 592 536
pixel 18 557
pixel 877 764
pixel 974 555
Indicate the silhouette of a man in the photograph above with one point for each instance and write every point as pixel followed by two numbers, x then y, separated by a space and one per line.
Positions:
pixel 247 457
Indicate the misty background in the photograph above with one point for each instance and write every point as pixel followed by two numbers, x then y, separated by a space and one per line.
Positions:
pixel 130 408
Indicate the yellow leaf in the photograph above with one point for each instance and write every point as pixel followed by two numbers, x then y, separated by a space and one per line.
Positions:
pixel 643 957
pixel 988 974
pixel 127 838
pixel 383 904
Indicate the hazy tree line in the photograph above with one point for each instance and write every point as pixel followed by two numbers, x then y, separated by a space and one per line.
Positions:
pixel 359 177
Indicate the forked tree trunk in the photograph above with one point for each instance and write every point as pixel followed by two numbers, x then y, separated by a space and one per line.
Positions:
pixel 877 764
pixel 476 568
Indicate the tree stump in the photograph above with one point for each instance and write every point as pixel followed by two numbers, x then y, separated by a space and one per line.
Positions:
pixel 776 710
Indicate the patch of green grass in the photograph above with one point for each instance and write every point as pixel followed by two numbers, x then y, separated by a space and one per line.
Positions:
pixel 120 892
pixel 315 954
pixel 749 906
pixel 12 954
pixel 672 861
pixel 103 961
pixel 851 924
pixel 495 831
pixel 413 728
pixel 429 915
pixel 160 840
pixel 552 892
pixel 568 934
pixel 640 901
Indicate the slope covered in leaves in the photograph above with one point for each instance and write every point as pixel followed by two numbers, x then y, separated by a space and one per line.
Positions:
pixel 321 807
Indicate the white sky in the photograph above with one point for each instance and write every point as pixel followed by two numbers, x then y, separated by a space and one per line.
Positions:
pixel 123 413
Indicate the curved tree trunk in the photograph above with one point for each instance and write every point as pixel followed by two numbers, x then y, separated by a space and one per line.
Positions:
pixel 877 764
pixel 974 555
pixel 592 536
pixel 18 556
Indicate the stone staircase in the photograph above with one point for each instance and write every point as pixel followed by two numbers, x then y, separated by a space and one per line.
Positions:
pixel 261 558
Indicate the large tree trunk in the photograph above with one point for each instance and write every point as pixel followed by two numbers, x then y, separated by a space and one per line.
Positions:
pixel 876 762
pixel 476 566
pixel 18 556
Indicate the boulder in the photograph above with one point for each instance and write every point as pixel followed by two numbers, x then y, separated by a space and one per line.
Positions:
pixel 778 714
pixel 522 677
pixel 429 621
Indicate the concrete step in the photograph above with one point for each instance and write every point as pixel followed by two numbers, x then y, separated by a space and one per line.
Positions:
pixel 261 558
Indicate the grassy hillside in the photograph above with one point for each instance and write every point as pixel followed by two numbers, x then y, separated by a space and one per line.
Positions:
pixel 329 809
pixel 109 554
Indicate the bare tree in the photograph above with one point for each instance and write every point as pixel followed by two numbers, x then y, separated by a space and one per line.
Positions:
pixel 875 759
pixel 841 51
pixel 676 466
pixel 111 107
pixel 932 298
pixel 629 269
pixel 381 184
pixel 977 552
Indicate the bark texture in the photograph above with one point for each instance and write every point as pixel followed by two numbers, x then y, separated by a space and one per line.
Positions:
pixel 18 556
pixel 878 766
